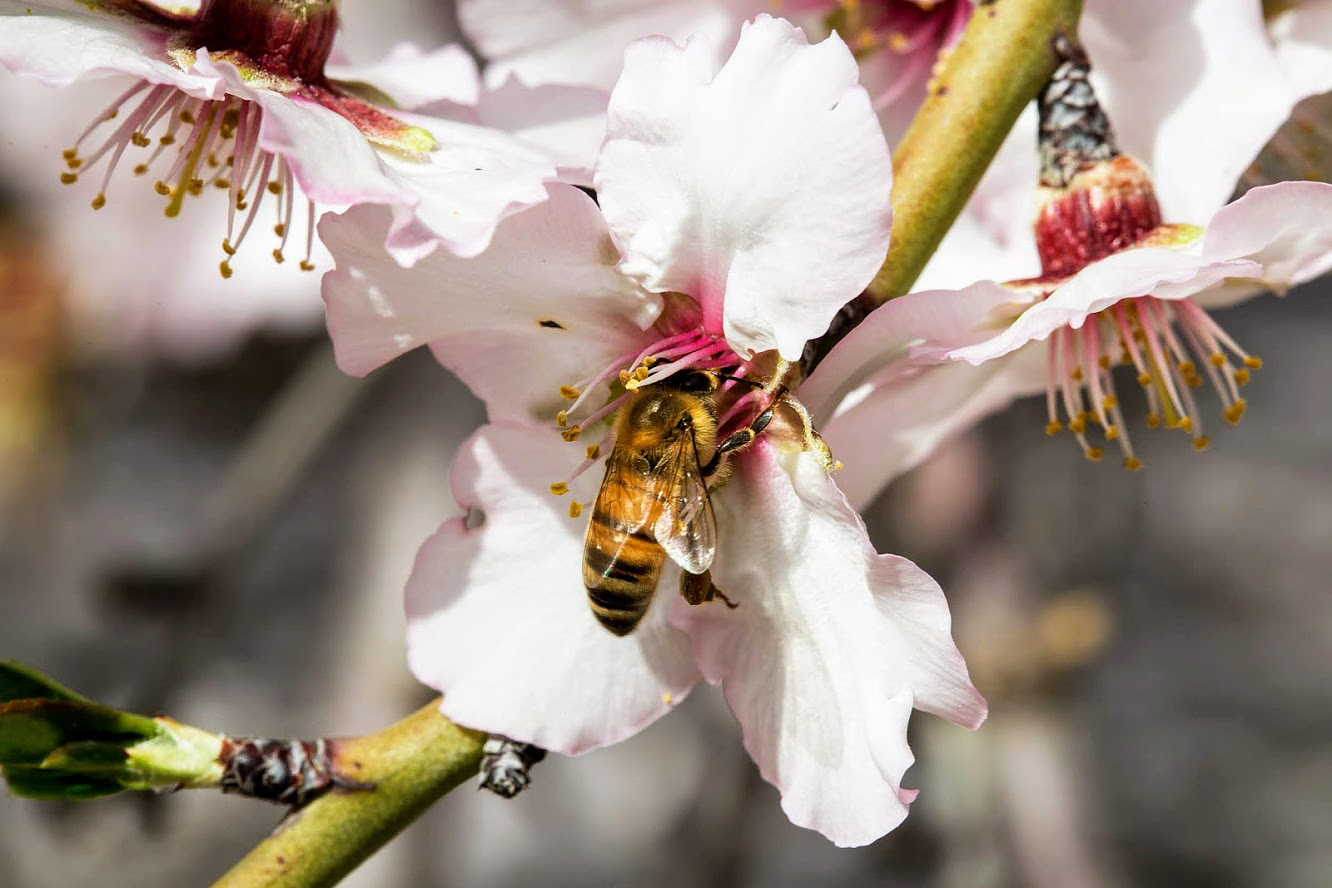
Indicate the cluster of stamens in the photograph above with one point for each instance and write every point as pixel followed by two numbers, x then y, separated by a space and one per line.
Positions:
pixel 913 30
pixel 624 376
pixel 1142 333
pixel 218 149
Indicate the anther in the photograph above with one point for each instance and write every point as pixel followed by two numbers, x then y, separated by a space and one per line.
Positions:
pixel 140 169
pixel 279 228
pixel 1235 411
pixel 1144 379
pixel 559 488
pixel 593 451
pixel 1253 363
pixel 1201 443
pixel 1132 463
pixel 1053 427
pixel 68 178
pixel 575 509
pixel 306 265
pixel 1109 402
pixel 162 188
pixel 99 201
pixel 1242 376
pixel 274 187
pixel 227 247
pixel 569 392
pixel 1111 433
pixel 277 256
pixel 571 433
pixel 1094 454
pixel 1153 420
pixel 562 418
pixel 225 268
pixel 1185 423
pixel 1217 359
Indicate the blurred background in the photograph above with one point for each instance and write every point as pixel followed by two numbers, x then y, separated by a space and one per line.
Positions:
pixel 201 516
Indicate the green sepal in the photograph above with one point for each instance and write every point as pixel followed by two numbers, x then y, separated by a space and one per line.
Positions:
pixel 18 682
pixel 35 783
pixel 60 745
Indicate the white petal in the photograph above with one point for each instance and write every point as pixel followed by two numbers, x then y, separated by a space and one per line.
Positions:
pixel 412 77
pixel 904 413
pixel 568 123
pixel 1163 71
pixel 562 42
pixel 1303 35
pixel 1286 227
pixel 829 648
pixel 498 620
pixel 484 315
pixel 762 188
pixel 59 46
pixel 1156 271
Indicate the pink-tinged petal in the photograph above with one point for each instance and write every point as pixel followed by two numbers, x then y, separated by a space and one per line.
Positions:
pixel 542 307
pixel 498 619
pixel 1156 271
pixel 1286 228
pixel 413 77
pixel 1194 91
pixel 901 415
pixel 567 123
pixel 58 46
pixel 883 338
pixel 561 42
pixel 761 189
pixel 828 650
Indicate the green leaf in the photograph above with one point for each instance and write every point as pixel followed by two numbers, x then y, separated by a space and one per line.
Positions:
pixel 88 757
pixel 35 783
pixel 30 730
pixel 18 682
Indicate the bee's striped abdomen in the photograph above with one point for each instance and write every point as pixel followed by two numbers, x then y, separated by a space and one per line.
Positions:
pixel 621 566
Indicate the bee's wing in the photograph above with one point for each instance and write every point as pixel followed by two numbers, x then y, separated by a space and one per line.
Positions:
pixel 686 528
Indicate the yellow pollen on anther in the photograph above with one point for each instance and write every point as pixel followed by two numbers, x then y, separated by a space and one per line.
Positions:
pixel 569 393
pixel 274 187
pixel 162 188
pixel 227 247
pixel 140 169
pixel 225 268
pixel 1185 423
pixel 1076 374
pixel 68 178
pixel 186 117
pixel 1078 424
pixel 1111 433
pixel 223 184
pixel 1188 368
pixel 279 228
pixel 1235 411
pixel 562 418
pixel 1104 362
pixel 1217 359
pixel 571 433
pixel 306 265
pixel 74 162
pixel 642 372
pixel 1132 463
pixel 1144 379
pixel 1094 454
pixel 1253 363
pixel 593 451
pixel 559 488
pixel 168 139
pixel 1109 402
pixel 1201 443
pixel 575 509
pixel 1053 427
pixel 99 201
pixel 624 377
pixel 1153 420
pixel 70 153
pixel 1242 376
pixel 277 256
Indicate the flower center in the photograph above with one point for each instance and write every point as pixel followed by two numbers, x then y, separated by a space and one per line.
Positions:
pixel 217 147
pixel 619 380
pixel 1142 332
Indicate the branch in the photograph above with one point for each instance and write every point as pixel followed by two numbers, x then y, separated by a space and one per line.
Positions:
pixel 1003 59
pixel 410 765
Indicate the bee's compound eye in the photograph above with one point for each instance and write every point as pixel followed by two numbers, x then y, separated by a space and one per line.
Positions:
pixel 685 422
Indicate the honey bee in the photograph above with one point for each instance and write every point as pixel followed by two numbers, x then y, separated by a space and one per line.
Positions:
pixel 653 502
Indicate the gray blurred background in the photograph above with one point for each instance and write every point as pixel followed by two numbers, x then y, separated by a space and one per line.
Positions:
pixel 227 542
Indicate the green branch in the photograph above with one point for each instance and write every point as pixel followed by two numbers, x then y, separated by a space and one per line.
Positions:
pixel 410 765
pixel 1001 62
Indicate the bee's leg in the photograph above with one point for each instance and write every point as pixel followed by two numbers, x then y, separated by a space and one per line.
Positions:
pixel 743 437
pixel 698 589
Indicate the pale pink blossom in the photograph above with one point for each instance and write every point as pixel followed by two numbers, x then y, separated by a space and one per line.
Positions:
pixel 208 104
pixel 739 209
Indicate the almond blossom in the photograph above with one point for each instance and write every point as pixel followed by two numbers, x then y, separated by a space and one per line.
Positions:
pixel 737 210
pixel 235 97
pixel 1119 287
